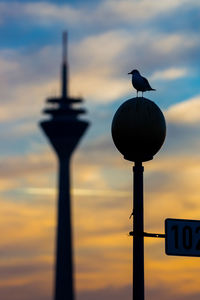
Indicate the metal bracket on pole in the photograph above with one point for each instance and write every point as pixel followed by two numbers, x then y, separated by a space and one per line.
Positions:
pixel 157 235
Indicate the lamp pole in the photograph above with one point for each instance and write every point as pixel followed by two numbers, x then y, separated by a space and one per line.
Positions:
pixel 138 132
pixel 138 229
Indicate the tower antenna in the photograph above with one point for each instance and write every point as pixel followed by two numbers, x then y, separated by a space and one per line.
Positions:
pixel 65 47
pixel 64 68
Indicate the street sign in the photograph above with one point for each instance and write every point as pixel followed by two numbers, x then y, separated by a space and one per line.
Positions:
pixel 182 237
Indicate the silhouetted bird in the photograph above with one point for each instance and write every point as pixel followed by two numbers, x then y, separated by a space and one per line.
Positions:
pixel 140 83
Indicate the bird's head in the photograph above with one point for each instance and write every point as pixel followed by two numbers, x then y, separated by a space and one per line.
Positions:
pixel 134 72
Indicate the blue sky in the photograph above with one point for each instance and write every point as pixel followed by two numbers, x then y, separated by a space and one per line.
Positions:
pixel 107 39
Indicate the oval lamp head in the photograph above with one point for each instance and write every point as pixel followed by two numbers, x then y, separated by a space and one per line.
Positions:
pixel 138 129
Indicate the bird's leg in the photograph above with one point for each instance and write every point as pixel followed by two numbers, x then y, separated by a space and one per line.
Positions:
pixel 142 94
pixel 137 93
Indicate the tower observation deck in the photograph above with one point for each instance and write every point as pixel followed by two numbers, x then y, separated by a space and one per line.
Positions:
pixel 64 130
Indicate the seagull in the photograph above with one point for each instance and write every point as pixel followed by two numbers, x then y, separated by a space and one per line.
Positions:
pixel 140 83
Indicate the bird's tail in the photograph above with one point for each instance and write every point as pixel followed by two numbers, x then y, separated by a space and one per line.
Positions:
pixel 152 89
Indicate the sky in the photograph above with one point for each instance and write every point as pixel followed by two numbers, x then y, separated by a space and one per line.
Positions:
pixel 107 39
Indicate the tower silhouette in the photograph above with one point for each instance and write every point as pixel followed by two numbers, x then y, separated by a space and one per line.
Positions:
pixel 64 130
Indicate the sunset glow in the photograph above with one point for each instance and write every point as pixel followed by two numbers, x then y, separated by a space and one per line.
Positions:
pixel 107 39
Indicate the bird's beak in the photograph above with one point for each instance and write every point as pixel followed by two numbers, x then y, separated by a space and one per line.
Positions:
pixel 129 73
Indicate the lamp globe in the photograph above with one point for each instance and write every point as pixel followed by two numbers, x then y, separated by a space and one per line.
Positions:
pixel 138 129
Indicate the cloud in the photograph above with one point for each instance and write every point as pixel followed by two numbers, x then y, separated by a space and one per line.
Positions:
pixel 77 192
pixel 117 293
pixel 106 12
pixel 106 67
pixel 46 12
pixel 99 73
pixel 134 11
pixel 98 64
pixel 26 164
pixel 170 74
pixel 26 248
pixel 185 112
pixel 103 249
pixel 43 12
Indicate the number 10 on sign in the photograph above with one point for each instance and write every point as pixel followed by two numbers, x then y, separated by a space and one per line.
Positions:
pixel 182 237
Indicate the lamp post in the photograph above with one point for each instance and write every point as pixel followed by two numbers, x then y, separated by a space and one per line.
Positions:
pixel 138 132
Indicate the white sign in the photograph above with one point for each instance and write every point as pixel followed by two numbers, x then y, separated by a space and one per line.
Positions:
pixel 182 237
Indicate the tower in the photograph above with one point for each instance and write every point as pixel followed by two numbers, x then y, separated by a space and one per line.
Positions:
pixel 64 130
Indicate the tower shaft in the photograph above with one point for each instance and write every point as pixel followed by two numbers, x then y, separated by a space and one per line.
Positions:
pixel 64 246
